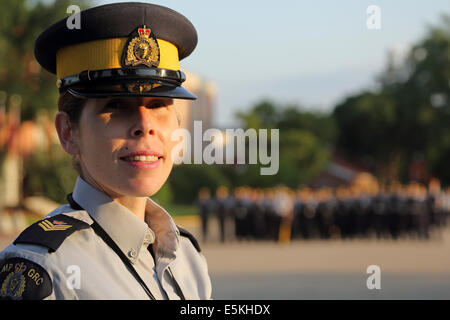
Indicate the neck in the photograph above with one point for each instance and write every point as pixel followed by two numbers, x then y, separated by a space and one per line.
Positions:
pixel 135 204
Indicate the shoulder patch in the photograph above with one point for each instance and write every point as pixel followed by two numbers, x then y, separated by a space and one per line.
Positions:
pixel 51 232
pixel 22 279
pixel 187 234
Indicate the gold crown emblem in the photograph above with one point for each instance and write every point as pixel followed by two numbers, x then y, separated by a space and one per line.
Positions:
pixel 143 49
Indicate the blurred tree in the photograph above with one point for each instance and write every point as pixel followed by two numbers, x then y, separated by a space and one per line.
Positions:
pixel 263 115
pixel 320 124
pixel 367 126
pixel 305 140
pixel 21 22
pixel 49 173
pixel 164 196
pixel 407 119
pixel 186 180
pixel 302 157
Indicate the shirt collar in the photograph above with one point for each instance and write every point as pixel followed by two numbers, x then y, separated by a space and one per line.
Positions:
pixel 128 231
pixel 166 231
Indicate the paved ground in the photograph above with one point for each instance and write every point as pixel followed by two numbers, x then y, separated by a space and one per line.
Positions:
pixel 410 269
pixel 329 270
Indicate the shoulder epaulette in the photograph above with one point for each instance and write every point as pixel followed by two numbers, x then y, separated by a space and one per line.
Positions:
pixel 51 232
pixel 187 234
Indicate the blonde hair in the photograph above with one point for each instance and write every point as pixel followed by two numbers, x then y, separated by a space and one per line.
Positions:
pixel 73 106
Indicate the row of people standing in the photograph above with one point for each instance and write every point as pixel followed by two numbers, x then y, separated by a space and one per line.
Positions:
pixel 345 212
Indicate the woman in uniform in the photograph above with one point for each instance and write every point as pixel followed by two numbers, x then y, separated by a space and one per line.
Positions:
pixel 118 78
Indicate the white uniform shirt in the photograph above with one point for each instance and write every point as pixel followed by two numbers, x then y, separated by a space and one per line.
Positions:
pixel 85 267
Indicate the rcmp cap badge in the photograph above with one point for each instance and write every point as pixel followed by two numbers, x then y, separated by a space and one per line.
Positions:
pixel 142 49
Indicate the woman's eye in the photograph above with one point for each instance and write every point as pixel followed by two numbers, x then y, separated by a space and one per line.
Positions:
pixel 156 105
pixel 113 105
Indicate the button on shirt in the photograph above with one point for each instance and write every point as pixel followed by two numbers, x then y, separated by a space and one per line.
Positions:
pixel 176 271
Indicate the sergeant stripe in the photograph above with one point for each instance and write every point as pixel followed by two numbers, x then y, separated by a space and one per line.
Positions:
pixel 48 226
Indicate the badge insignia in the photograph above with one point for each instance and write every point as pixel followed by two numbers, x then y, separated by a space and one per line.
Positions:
pixel 139 87
pixel 56 225
pixel 13 285
pixel 22 279
pixel 143 49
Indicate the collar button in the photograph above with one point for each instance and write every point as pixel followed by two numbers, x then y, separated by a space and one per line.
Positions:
pixel 132 253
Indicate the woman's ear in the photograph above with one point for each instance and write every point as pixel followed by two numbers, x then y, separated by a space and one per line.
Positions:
pixel 67 133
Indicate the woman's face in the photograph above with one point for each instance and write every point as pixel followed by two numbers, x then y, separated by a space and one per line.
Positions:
pixel 125 144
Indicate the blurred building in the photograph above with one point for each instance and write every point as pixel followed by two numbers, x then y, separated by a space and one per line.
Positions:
pixel 201 109
pixel 338 172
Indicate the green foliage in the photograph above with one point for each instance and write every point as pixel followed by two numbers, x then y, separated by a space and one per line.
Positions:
pixel 367 124
pixel 320 124
pixel 49 173
pixel 408 118
pixel 21 22
pixel 181 210
pixel 263 116
pixel 306 138
pixel 164 196
pixel 186 180
pixel 303 157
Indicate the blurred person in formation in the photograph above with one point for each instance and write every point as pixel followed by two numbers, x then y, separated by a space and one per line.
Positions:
pixel 303 214
pixel 205 206
pixel 241 215
pixel 118 77
pixel 341 211
pixel 325 207
pixel 445 202
pixel 284 208
pixel 257 214
pixel 423 216
pixel 296 223
pixel 434 203
pixel 223 204
pixel 271 217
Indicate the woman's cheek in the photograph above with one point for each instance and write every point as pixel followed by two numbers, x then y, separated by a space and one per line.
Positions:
pixel 169 142
pixel 170 145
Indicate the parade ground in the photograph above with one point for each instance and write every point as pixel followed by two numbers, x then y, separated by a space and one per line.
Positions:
pixel 317 269
pixel 334 269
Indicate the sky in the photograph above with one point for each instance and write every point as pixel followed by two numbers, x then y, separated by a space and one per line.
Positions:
pixel 309 53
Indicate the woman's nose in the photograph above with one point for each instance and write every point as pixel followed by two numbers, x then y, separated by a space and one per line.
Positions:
pixel 143 123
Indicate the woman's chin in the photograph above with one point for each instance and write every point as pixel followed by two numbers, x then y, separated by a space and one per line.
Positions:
pixel 143 189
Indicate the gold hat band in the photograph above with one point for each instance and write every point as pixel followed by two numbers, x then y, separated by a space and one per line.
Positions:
pixel 106 54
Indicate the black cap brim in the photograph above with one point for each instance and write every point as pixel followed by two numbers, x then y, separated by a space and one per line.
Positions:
pixel 122 90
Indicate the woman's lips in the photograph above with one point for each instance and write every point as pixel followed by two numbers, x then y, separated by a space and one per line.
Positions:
pixel 142 164
pixel 143 159
pixel 143 153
